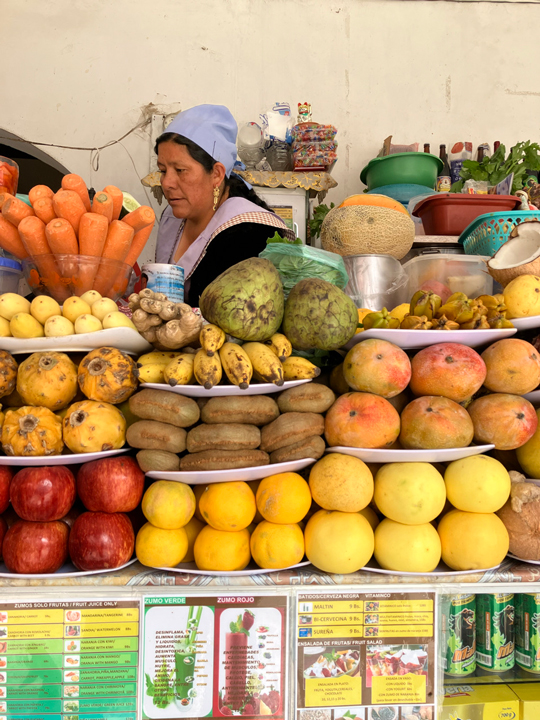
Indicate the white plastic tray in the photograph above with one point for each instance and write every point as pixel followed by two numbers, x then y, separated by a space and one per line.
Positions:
pixel 252 569
pixel 441 569
pixel 224 390
pixel 526 323
pixel 387 456
pixel 416 339
pixel 246 474
pixel 69 459
pixel 122 338
pixel 67 570
pixel 531 562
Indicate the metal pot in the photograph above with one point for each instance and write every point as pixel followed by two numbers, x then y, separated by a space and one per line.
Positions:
pixel 375 281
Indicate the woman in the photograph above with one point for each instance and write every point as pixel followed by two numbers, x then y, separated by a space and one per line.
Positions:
pixel 214 219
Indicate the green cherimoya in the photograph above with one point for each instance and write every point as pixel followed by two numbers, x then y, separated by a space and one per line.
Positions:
pixel 246 301
pixel 318 315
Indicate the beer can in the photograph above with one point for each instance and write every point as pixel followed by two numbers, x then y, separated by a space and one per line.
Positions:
pixel 528 632
pixel 495 638
pixel 459 635
pixel 166 279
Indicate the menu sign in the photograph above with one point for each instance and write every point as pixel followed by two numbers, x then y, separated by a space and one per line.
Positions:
pixel 69 660
pixel 214 656
pixel 365 656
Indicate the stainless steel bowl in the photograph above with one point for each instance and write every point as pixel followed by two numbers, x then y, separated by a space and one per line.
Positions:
pixel 375 281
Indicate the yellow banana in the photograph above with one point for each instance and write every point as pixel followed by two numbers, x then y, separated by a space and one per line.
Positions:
pixel 152 373
pixel 236 363
pixel 180 370
pixel 280 345
pixel 267 366
pixel 211 338
pixel 156 357
pixel 207 369
pixel 298 368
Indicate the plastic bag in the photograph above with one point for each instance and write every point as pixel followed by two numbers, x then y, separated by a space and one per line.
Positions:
pixel 297 262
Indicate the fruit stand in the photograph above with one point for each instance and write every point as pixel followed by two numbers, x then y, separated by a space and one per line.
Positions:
pixel 304 507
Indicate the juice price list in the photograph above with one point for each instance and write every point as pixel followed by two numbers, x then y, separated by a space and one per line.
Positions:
pixel 69 660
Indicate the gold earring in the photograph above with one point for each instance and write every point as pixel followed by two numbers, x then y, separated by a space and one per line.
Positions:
pixel 216 198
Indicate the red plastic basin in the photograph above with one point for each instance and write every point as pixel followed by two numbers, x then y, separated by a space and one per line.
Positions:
pixel 451 213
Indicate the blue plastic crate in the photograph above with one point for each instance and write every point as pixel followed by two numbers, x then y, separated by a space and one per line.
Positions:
pixel 486 234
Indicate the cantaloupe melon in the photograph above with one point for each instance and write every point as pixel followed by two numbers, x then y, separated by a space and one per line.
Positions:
pixel 375 201
pixel 366 230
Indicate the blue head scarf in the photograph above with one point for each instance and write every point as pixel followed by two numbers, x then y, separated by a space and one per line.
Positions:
pixel 211 127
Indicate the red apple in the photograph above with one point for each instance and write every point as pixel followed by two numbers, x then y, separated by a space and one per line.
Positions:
pixel 35 547
pixel 3 531
pixel 6 473
pixel 99 540
pixel 42 494
pixel 111 485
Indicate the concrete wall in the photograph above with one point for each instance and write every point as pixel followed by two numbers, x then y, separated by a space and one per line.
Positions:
pixel 424 71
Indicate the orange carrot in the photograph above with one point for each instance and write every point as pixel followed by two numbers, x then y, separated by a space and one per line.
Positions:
pixel 103 205
pixel 10 239
pixel 34 239
pixel 137 246
pixel 140 218
pixel 39 191
pixel 61 237
pixel 67 204
pixel 92 235
pixel 32 233
pixel 77 184
pixel 16 210
pixel 119 239
pixel 117 198
pixel 43 207
pixel 4 197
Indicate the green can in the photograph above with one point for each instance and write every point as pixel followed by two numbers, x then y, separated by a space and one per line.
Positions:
pixel 528 632
pixel 459 635
pixel 495 639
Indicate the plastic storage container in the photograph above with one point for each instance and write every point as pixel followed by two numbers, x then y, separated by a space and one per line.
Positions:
pixel 486 234
pixel 449 214
pixel 417 168
pixel 448 273
pixel 10 274
pixel 402 192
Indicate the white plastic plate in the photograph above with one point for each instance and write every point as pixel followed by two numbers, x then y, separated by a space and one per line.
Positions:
pixel 416 339
pixel 531 562
pixel 441 569
pixel 246 474
pixel 70 459
pixel 252 569
pixel 67 570
pixel 526 323
pixel 388 456
pixel 123 338
pixel 220 390
pixel 533 397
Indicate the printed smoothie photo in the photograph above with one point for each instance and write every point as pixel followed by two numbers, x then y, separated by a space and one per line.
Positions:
pixel 185 652
pixel 236 653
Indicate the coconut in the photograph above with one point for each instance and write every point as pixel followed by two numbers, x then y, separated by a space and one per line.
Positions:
pixel 367 230
pixel 521 517
pixel 520 255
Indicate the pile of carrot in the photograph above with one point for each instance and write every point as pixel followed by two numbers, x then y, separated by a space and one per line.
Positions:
pixel 67 223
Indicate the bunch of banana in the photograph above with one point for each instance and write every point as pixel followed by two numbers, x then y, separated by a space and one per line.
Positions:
pixel 380 320
pixel 152 366
pixel 425 303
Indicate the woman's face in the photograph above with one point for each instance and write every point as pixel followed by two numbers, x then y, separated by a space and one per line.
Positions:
pixel 186 184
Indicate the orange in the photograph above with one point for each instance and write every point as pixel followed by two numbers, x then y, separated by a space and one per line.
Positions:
pixel 228 506
pixel 371 516
pixel 338 542
pixel 277 546
pixel 157 547
pixel 193 528
pixel 222 550
pixel 254 485
pixel 168 505
pixel 198 491
pixel 284 498
pixel 341 482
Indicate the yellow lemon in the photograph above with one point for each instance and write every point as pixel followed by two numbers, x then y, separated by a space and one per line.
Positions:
pixel 477 484
pixel 410 493
pixel 407 548
pixel 168 505
pixel 284 498
pixel 471 541
pixel 157 547
pixel 400 311
pixel 341 482
pixel 522 296
pixel 362 312
pixel 222 550
pixel 338 542
pixel 277 546
pixel 228 506
pixel 193 528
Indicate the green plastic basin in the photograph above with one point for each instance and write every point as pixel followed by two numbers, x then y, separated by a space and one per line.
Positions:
pixel 414 167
